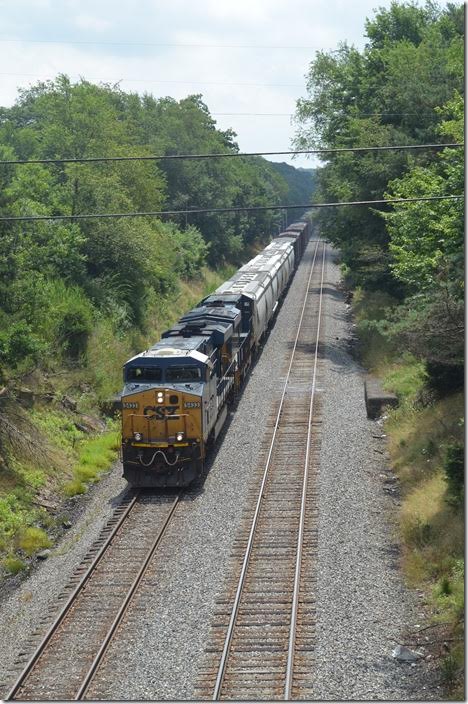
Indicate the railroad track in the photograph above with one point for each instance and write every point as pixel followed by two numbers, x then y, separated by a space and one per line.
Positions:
pixel 70 653
pixel 262 642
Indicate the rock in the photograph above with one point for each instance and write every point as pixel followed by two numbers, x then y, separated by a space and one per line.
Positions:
pixel 376 398
pixel 404 654
pixel 69 403
pixel 43 555
pixel 46 503
pixel 111 406
pixel 67 524
pixel 92 424
pixel 25 397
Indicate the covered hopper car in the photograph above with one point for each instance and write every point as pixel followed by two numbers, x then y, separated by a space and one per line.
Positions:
pixel 176 394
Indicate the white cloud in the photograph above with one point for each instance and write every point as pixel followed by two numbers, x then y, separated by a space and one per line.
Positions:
pixel 91 22
pixel 130 31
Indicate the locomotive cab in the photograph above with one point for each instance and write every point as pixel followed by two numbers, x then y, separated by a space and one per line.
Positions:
pixel 162 423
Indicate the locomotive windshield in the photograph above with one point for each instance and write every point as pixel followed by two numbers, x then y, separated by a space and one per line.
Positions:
pixel 144 374
pixel 180 374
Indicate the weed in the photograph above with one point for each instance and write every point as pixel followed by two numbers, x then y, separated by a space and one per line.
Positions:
pixel 448 669
pixel 32 539
pixel 406 378
pixel 75 486
pixel 13 564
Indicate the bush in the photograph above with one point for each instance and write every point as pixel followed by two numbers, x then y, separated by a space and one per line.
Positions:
pixel 13 564
pixel 74 487
pixel 74 322
pixel 18 343
pixel 33 539
pixel 454 472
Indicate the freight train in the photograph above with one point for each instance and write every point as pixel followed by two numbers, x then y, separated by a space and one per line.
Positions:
pixel 176 394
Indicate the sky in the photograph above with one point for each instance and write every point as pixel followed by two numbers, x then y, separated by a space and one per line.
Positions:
pixel 248 58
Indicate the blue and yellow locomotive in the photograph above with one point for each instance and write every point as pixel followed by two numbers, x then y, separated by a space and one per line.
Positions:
pixel 176 394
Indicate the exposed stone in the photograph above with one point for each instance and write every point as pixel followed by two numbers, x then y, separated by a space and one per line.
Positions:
pixel 92 424
pixel 25 397
pixel 376 398
pixel 43 555
pixel 404 654
pixel 46 503
pixel 69 403
pixel 67 524
pixel 111 406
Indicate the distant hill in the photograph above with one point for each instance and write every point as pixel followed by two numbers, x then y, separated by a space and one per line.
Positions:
pixel 302 184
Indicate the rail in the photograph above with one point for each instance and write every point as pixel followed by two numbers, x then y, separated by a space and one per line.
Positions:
pixel 248 551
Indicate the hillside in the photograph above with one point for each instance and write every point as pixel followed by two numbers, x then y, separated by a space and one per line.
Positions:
pixel 301 186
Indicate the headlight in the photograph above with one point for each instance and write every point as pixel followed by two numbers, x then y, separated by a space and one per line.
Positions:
pixel 137 436
pixel 179 437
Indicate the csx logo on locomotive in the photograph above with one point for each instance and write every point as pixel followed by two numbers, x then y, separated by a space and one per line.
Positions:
pixel 159 412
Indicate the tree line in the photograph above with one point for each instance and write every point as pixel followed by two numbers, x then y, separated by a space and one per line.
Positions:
pixel 56 276
pixel 405 87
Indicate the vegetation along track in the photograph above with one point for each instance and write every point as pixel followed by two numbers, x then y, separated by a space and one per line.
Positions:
pixel 69 655
pixel 262 642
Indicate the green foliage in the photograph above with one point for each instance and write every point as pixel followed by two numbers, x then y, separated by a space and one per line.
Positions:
pixel 396 91
pixel 33 539
pixel 13 564
pixel 454 467
pixel 72 318
pixel 12 515
pixel 74 487
pixel 18 342
pixel 58 278
pixel 406 378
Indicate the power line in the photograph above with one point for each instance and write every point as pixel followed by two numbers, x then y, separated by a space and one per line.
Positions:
pixel 151 80
pixel 161 44
pixel 160 157
pixel 201 211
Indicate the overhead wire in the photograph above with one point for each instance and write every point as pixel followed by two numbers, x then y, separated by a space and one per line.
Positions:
pixel 153 80
pixel 161 44
pixel 224 155
pixel 238 209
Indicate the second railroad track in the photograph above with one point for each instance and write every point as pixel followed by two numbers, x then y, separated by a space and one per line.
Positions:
pixel 68 657
pixel 262 641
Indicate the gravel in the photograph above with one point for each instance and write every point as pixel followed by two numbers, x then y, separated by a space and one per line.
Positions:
pixel 363 607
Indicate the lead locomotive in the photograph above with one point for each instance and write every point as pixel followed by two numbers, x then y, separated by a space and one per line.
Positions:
pixel 176 393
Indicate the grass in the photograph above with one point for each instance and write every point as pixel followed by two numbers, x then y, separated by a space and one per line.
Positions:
pixel 13 564
pixel 370 309
pixel 95 455
pixel 71 461
pixel 108 349
pixel 32 539
pixel 420 434
pixel 432 528
pixel 44 455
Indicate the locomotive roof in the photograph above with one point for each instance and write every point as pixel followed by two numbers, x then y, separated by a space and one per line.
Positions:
pixel 172 348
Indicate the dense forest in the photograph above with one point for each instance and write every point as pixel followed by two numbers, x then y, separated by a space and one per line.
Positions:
pixel 58 277
pixel 404 263
pixel 78 297
pixel 301 184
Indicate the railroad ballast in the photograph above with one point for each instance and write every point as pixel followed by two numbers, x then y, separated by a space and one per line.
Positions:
pixel 176 394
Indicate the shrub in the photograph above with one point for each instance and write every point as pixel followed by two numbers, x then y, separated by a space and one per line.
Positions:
pixel 33 539
pixel 13 564
pixel 75 323
pixel 18 343
pixel 75 486
pixel 454 472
